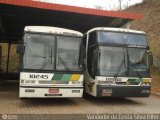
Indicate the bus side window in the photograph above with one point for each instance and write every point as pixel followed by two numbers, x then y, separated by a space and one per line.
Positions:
pixel 81 55
pixel 90 58
pixel 84 40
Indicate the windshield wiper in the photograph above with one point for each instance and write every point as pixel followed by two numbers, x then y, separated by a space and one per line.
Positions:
pixel 129 65
pixel 62 61
pixel 120 67
pixel 44 63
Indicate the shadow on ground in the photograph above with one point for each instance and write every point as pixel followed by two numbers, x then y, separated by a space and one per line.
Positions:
pixel 110 101
pixel 10 90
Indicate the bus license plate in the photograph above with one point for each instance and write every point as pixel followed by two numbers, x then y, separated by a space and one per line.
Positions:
pixel 106 92
pixel 53 90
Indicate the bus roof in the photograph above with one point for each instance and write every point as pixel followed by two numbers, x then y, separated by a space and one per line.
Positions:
pixel 115 30
pixel 52 30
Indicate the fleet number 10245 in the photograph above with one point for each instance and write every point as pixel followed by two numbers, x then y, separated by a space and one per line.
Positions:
pixel 36 76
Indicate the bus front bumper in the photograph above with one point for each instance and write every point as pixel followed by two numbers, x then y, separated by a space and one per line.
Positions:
pixel 50 92
pixel 123 91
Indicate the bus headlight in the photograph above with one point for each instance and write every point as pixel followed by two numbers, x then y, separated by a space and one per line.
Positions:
pixel 28 81
pixel 146 80
pixel 145 84
pixel 22 81
pixel 75 91
pixel 33 81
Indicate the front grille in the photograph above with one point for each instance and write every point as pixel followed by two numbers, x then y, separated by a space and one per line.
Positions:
pixel 45 82
pixel 127 83
pixel 53 82
pixel 134 83
pixel 121 83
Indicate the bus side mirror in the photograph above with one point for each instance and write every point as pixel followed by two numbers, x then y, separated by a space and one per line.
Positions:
pixel 150 58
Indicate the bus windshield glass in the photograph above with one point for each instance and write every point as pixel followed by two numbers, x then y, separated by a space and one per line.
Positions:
pixel 68 50
pixel 122 38
pixel 50 52
pixel 112 61
pixel 118 61
pixel 138 60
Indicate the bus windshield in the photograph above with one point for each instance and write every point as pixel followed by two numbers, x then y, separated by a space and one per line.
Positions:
pixel 50 52
pixel 118 61
pixel 112 61
pixel 138 60
pixel 68 50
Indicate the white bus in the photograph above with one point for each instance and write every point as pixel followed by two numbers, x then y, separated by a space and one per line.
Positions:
pixel 50 63
pixel 117 63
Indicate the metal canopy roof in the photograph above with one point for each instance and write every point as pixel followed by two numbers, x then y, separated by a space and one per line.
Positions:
pixel 16 14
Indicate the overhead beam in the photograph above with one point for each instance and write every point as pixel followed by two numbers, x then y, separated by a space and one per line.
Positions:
pixel 16 14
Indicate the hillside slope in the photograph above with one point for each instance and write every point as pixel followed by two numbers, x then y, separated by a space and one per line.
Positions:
pixel 150 23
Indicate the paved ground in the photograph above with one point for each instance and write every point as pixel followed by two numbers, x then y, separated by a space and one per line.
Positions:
pixel 11 104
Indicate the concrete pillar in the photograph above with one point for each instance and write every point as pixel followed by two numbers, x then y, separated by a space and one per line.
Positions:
pixel 9 47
